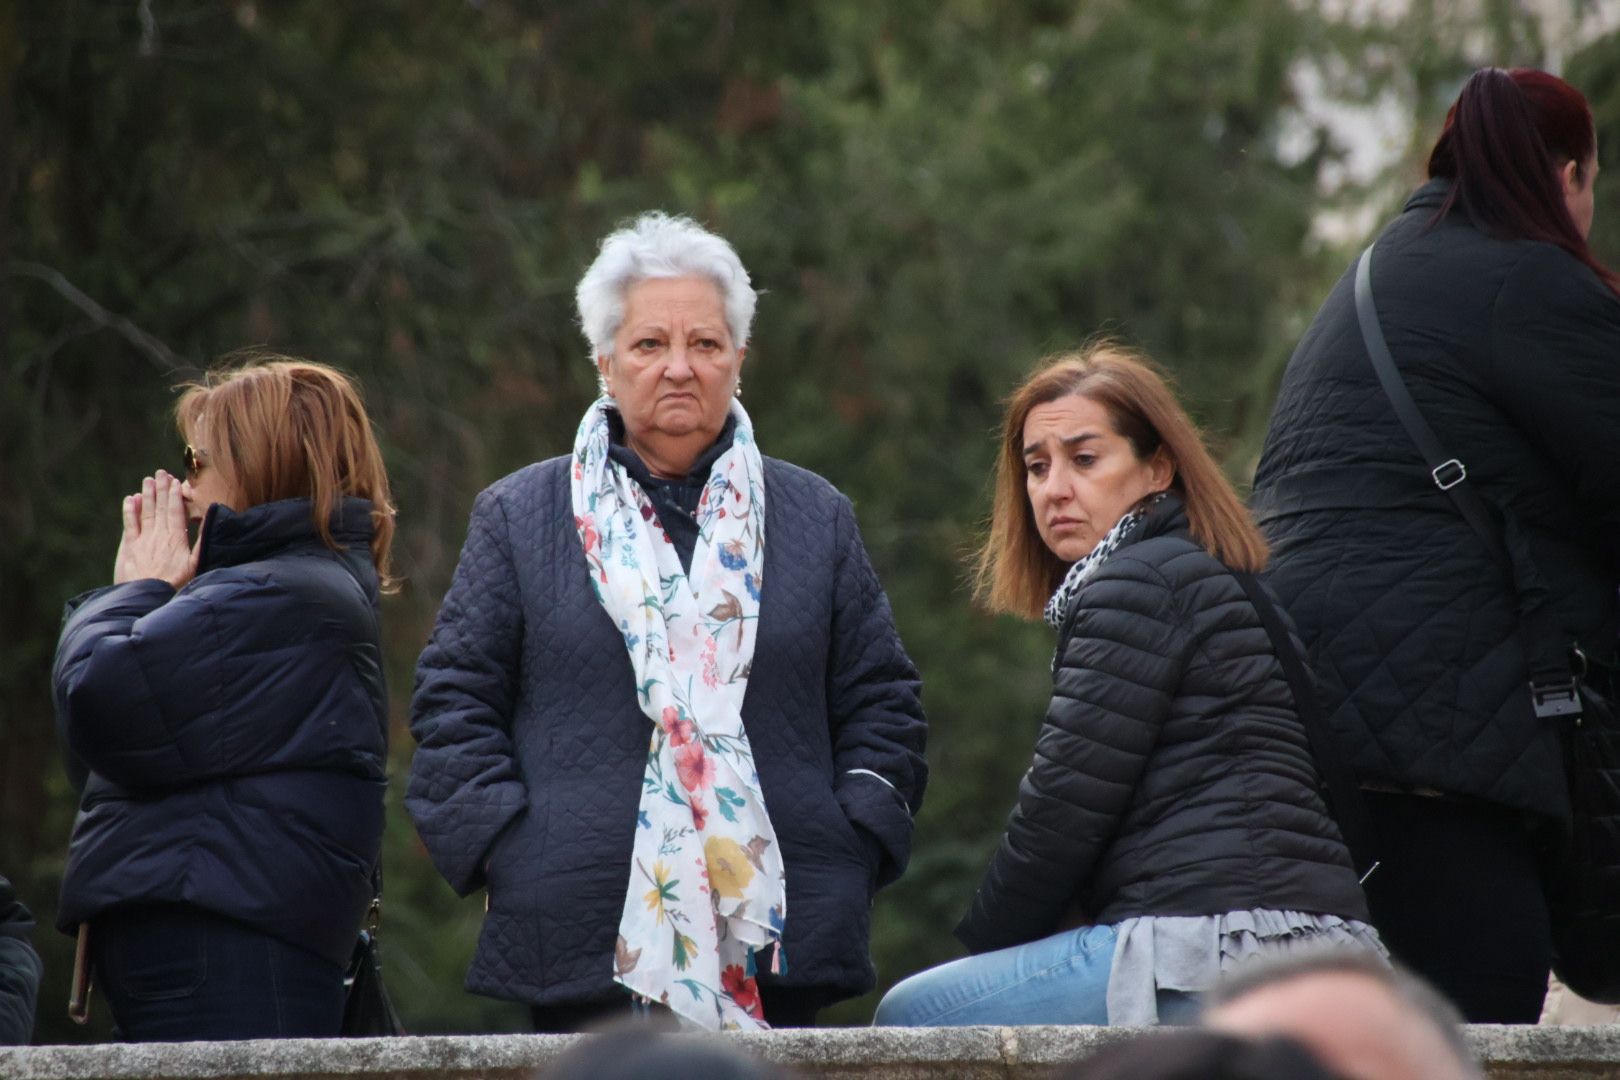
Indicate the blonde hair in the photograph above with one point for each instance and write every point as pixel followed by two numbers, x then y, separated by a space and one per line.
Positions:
pixel 284 428
pixel 1015 572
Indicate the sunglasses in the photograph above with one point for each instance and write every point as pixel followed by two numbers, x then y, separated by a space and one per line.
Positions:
pixel 196 460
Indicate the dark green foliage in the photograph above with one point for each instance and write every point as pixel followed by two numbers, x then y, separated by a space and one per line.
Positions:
pixel 1596 71
pixel 933 194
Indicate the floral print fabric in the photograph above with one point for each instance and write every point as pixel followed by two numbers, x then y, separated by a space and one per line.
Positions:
pixel 706 888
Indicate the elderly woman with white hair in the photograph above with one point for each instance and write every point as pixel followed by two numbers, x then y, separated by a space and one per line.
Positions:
pixel 665 719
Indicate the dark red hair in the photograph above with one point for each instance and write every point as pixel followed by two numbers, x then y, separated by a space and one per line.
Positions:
pixel 1504 142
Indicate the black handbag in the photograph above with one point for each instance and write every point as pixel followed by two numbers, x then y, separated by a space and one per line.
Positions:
pixel 1583 884
pixel 1583 892
pixel 368 1012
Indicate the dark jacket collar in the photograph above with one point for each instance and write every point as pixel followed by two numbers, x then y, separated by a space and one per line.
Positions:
pixel 1165 517
pixel 698 475
pixel 1430 196
pixel 232 537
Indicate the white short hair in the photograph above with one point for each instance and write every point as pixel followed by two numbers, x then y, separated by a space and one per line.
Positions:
pixel 658 245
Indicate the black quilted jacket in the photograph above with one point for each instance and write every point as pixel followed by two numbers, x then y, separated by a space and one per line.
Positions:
pixel 1171 775
pixel 19 970
pixel 1512 352
pixel 234 732
pixel 532 745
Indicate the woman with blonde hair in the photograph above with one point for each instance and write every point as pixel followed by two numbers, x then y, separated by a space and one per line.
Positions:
pixel 225 716
pixel 1170 825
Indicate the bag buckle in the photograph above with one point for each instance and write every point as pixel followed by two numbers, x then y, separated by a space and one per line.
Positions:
pixel 1555 700
pixel 1448 474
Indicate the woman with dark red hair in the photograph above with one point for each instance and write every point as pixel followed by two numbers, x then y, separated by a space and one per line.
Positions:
pixel 1451 595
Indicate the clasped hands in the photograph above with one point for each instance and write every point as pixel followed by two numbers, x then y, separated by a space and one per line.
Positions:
pixel 155 543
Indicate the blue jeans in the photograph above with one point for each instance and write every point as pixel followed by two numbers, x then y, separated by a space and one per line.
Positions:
pixel 1062 979
pixel 173 973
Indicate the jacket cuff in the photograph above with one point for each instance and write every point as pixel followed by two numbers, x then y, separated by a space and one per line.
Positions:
pixel 972 935
pixel 882 821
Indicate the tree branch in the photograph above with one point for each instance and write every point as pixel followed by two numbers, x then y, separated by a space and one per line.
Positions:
pixel 149 346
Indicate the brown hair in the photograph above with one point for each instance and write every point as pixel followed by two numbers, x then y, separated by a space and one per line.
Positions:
pixel 1015 570
pixel 285 428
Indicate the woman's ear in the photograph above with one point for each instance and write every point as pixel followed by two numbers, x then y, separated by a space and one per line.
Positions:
pixel 1162 470
pixel 1570 174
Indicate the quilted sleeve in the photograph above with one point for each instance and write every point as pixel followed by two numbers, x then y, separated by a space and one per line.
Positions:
pixel 1555 341
pixel 874 698
pixel 1116 678
pixel 19 970
pixel 465 786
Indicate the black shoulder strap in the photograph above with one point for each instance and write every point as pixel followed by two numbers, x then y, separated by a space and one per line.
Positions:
pixel 1552 687
pixel 1344 796
pixel 1448 472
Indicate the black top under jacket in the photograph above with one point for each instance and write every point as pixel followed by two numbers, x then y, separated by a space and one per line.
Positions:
pixel 675 499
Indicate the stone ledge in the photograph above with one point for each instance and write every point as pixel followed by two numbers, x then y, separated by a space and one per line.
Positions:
pixel 1522 1053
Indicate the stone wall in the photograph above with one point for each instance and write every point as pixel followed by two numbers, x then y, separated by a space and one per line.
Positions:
pixel 1522 1053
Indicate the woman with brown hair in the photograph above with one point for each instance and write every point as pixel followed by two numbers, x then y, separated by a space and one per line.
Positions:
pixel 225 715
pixel 1170 825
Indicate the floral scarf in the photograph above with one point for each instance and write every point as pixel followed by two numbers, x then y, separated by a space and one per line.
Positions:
pixel 1081 571
pixel 706 888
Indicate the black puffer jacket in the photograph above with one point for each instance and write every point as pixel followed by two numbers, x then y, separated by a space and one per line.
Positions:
pixel 1172 775
pixel 234 732
pixel 1511 350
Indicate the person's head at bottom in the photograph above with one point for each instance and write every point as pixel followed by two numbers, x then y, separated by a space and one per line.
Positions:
pixel 1202 1055
pixel 632 1050
pixel 1365 1019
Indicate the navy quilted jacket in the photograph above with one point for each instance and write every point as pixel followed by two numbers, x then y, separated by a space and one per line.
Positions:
pixel 532 745
pixel 1511 349
pixel 230 738
pixel 1171 775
